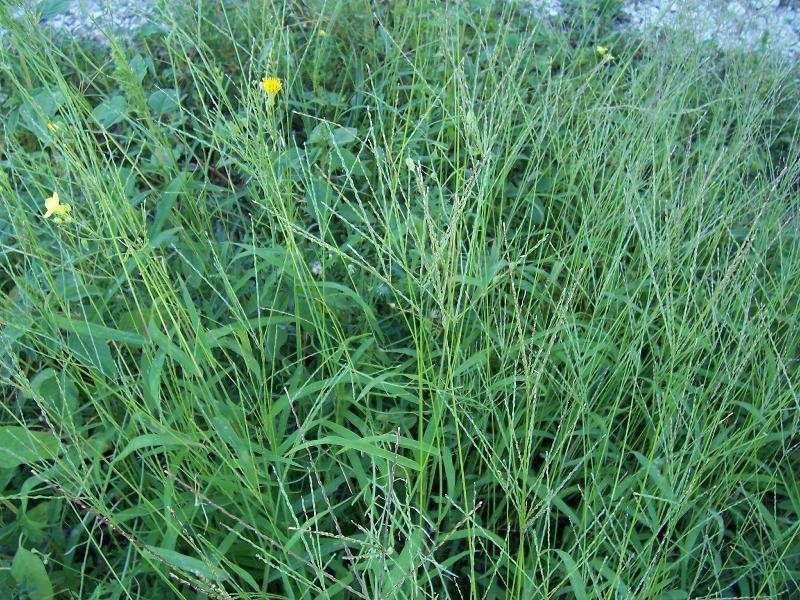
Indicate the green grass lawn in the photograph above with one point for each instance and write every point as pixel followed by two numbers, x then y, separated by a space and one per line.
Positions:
pixel 466 309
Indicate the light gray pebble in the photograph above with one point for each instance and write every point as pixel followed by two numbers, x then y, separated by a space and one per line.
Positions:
pixel 731 24
pixel 546 8
pixel 738 24
pixel 89 19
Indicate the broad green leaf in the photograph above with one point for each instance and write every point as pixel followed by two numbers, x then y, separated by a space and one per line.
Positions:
pixel 399 568
pixel 226 431
pixel 154 441
pixel 342 158
pixel 138 65
pixel 19 446
pixel 164 101
pixel 111 111
pixel 31 576
pixel 337 293
pixel 344 135
pixel 98 333
pixel 92 352
pixel 190 564
pixel 319 135
pixel 319 199
pixel 365 446
pixel 57 390
pixel 50 8
pixel 390 439
pixel 654 472
pixel 675 595
pixel 244 575
pixel 574 576
pixel 48 101
pixel 167 200
pixel 37 112
pixel 186 361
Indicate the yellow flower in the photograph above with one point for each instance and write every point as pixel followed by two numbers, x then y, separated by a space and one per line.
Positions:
pixel 271 85
pixel 603 52
pixel 53 207
pixel 322 33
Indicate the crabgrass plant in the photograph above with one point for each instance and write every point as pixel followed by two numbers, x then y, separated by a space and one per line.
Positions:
pixel 392 301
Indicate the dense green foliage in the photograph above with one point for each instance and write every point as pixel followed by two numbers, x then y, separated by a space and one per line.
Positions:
pixel 466 310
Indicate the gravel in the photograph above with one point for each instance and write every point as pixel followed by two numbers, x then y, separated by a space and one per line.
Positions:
pixel 747 24
pixel 88 19
pixel 546 8
pixel 773 25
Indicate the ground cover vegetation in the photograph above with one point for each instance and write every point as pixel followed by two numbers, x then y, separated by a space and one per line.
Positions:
pixel 402 299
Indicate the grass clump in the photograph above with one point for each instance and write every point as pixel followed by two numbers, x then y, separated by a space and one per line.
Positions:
pixel 466 309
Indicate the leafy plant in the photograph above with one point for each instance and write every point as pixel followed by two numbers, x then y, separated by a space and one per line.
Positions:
pixel 463 308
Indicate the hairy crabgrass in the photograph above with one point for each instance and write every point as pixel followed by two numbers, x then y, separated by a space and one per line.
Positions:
pixel 450 303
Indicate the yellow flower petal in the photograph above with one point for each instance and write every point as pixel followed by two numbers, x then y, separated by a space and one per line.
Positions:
pixel 271 85
pixel 51 205
pixel 603 53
